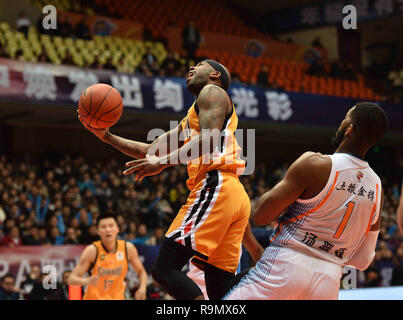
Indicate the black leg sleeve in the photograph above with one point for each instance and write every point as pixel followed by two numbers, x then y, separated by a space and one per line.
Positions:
pixel 167 271
pixel 217 281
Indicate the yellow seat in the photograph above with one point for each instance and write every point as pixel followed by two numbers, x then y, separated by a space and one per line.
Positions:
pixel 4 26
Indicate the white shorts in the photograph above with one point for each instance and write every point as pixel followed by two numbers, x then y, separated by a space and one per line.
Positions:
pixel 197 276
pixel 284 273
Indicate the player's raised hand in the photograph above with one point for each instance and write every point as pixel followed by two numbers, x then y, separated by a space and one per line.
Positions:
pixel 100 133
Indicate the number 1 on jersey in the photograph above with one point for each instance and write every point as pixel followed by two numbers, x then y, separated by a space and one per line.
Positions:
pixel 350 207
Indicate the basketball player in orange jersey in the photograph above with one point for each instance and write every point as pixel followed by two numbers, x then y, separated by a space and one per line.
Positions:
pixel 328 209
pixel 209 228
pixel 107 260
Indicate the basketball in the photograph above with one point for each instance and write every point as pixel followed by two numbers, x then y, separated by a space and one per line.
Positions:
pixel 100 106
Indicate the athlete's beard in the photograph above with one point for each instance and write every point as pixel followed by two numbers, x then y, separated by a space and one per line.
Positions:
pixel 196 84
pixel 338 137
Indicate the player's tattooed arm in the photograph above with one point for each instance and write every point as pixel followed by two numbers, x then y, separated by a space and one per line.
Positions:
pixel 213 103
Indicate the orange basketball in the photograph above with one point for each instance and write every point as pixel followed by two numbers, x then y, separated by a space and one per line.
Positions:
pixel 100 106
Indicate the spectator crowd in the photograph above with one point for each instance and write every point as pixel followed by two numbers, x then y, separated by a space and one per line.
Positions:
pixel 57 202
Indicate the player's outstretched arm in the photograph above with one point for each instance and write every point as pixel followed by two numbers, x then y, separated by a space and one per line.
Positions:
pixel 86 260
pixel 133 258
pixel 136 149
pixel 131 148
pixel 251 244
pixel 298 178
pixel 399 212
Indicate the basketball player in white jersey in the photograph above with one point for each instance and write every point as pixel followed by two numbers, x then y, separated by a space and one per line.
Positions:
pixel 251 245
pixel 328 210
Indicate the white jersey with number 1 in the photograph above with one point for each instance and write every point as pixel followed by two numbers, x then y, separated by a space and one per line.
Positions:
pixel 316 237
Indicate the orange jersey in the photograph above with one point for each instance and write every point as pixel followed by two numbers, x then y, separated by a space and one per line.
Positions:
pixel 226 158
pixel 213 219
pixel 111 267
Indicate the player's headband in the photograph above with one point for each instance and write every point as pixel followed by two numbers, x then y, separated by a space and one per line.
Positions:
pixel 218 67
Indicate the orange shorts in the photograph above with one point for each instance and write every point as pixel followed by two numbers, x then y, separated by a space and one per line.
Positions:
pixel 213 220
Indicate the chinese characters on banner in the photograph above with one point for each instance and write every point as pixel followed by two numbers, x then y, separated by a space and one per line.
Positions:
pixel 41 84
pixel 63 85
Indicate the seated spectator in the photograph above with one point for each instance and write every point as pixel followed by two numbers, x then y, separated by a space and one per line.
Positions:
pixel 40 293
pixel 39 26
pixel 81 30
pixel 317 43
pixel 23 23
pixel 43 57
pixel 12 239
pixel 43 236
pixel 3 52
pixel 19 55
pixel 89 235
pixel 372 278
pixel 155 68
pixel 55 237
pixel 64 285
pixel 71 236
pixel 123 66
pixel 149 57
pixel 126 203
pixel 235 78
pixel 130 236
pixel 348 72
pixel 88 183
pixel 336 69
pixel 143 68
pixel 168 70
pixel 142 236
pixel 102 28
pixel 263 76
pixel 132 227
pixel 397 275
pixel 170 58
pixel 64 27
pixel 32 239
pixel 156 237
pixel 8 291
pixel 182 71
pixel 97 64
pixel 75 224
pixel 254 49
pixel 28 284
